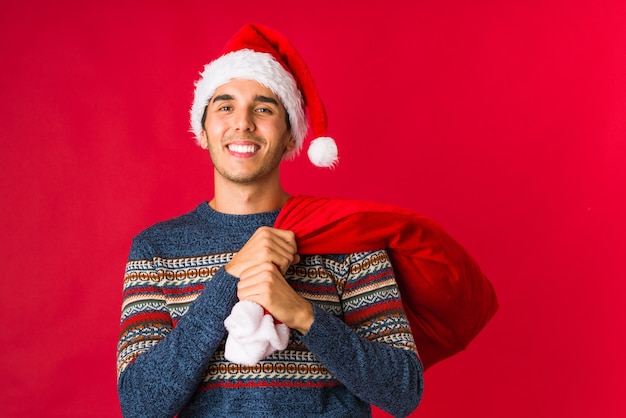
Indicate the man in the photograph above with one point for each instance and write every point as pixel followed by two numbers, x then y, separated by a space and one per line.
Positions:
pixel 350 343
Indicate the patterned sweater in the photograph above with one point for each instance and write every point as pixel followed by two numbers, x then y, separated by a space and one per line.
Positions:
pixel 358 351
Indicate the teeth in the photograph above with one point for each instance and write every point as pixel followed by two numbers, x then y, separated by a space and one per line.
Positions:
pixel 242 149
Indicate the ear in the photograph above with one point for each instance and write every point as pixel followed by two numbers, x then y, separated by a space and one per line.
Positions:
pixel 204 140
pixel 291 145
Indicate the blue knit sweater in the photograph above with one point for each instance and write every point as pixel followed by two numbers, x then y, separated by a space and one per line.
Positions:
pixel 359 350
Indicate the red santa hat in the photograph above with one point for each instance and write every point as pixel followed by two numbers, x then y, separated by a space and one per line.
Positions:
pixel 261 54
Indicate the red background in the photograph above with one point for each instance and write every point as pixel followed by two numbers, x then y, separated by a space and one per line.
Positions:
pixel 503 121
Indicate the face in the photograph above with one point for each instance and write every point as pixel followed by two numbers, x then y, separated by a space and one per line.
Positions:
pixel 246 132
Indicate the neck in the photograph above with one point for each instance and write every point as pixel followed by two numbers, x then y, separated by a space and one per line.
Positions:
pixel 242 199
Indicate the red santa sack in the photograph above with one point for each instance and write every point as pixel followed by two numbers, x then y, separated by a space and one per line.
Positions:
pixel 447 298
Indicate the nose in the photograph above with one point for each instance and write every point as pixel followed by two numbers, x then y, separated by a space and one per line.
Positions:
pixel 244 120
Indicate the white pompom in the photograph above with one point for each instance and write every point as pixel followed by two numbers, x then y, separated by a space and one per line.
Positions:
pixel 323 152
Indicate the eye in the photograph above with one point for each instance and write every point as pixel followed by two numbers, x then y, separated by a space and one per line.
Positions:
pixel 263 110
pixel 225 108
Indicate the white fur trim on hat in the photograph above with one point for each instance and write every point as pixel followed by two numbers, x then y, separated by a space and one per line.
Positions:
pixel 248 64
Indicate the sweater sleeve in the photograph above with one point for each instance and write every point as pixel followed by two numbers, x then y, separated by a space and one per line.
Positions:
pixel 160 363
pixel 371 349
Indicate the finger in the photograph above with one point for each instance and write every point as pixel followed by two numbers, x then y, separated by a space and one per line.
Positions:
pixel 259 273
pixel 278 247
pixel 259 281
pixel 266 245
pixel 279 237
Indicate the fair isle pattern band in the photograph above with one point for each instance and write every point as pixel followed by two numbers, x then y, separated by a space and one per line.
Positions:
pixel 292 368
pixel 359 288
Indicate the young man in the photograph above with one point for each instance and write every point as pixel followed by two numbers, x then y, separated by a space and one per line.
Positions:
pixel 349 343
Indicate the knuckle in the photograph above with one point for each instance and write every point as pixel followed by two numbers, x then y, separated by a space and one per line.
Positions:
pixel 264 232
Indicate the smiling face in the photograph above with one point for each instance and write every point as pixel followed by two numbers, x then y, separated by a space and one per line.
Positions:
pixel 246 132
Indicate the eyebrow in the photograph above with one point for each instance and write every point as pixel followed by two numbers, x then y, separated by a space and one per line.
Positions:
pixel 257 98
pixel 265 99
pixel 222 97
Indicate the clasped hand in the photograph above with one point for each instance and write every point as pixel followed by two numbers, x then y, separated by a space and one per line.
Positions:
pixel 260 266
